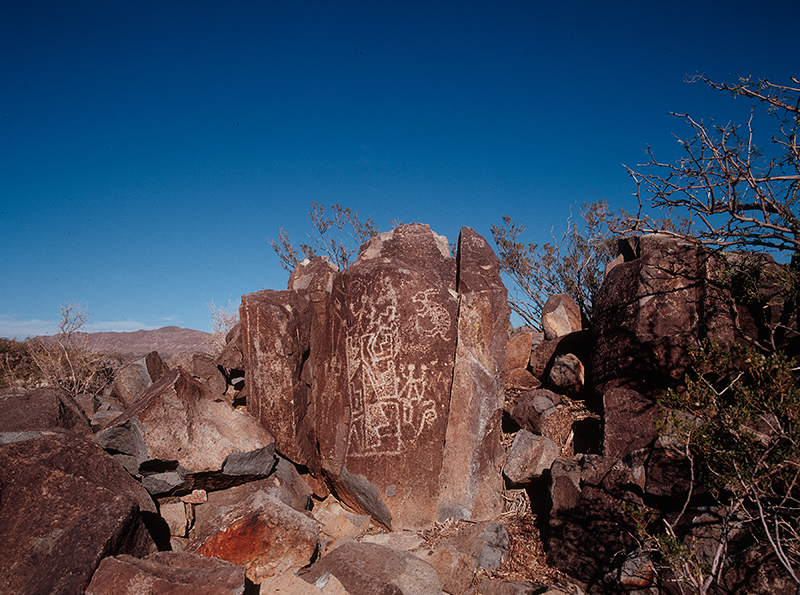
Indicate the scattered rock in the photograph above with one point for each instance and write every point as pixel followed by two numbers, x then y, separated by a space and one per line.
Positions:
pixel 372 568
pixel 132 380
pixel 260 533
pixel 487 544
pixel 530 455
pixel 178 437
pixel 567 373
pixel 167 573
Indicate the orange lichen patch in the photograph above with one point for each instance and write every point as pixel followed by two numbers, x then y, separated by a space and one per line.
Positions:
pixel 238 542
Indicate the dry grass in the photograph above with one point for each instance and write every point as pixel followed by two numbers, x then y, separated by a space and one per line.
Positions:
pixel 526 560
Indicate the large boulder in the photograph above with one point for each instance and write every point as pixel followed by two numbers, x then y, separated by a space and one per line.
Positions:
pixel 470 483
pixel 275 348
pixel 42 409
pixel 385 374
pixel 179 436
pixel 262 534
pixel 167 573
pixel 663 299
pixel 64 506
pixel 386 379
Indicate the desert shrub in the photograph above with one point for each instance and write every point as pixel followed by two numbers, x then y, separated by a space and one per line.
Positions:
pixel 223 319
pixel 17 368
pixel 337 236
pixel 737 423
pixel 573 263
pixel 67 362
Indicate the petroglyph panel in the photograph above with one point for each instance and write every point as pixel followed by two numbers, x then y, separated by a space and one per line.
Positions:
pixel 391 398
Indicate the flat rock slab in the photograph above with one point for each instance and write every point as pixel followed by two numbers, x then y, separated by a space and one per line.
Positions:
pixel 42 409
pixel 371 568
pixel 167 573
pixel 178 436
pixel 260 533
pixel 65 506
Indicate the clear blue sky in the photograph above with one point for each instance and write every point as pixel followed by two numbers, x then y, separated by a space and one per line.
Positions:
pixel 148 150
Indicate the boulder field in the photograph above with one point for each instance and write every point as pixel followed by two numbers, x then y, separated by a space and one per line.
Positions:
pixel 356 412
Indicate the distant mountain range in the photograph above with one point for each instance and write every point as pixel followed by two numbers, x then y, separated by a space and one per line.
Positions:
pixel 168 341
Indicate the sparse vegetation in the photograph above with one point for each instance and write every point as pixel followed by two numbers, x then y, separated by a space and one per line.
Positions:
pixel 223 319
pixel 337 236
pixel 737 424
pixel 742 192
pixel 18 371
pixel 573 264
pixel 66 362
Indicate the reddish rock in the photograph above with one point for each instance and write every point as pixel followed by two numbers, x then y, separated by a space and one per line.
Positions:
pixel 42 409
pixel 530 455
pixel 275 346
pixel 283 483
pixel 531 408
pixel 648 313
pixel 560 316
pixel 518 349
pixel 541 356
pixel 65 506
pixel 167 573
pixel 519 379
pixel 231 357
pixel 385 375
pixel 178 436
pixel 471 484
pixel 133 379
pixel 455 569
pixel 588 525
pixel 375 569
pixel 567 374
pixel 260 533
pixel 629 422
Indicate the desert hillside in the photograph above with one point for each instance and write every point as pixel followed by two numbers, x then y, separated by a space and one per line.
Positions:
pixel 168 341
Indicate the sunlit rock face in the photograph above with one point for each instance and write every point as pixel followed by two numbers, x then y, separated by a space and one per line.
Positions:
pixel 386 378
pixel 386 373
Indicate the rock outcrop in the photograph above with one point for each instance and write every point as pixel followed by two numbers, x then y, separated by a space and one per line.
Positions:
pixel 64 506
pixel 387 378
pixel 179 436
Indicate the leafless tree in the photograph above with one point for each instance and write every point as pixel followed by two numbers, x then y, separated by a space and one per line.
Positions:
pixel 67 361
pixel 739 192
pixel 337 236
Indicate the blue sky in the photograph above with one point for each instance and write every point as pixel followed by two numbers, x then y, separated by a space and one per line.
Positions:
pixel 149 150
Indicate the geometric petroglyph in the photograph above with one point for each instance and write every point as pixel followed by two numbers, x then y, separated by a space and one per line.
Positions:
pixel 389 403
